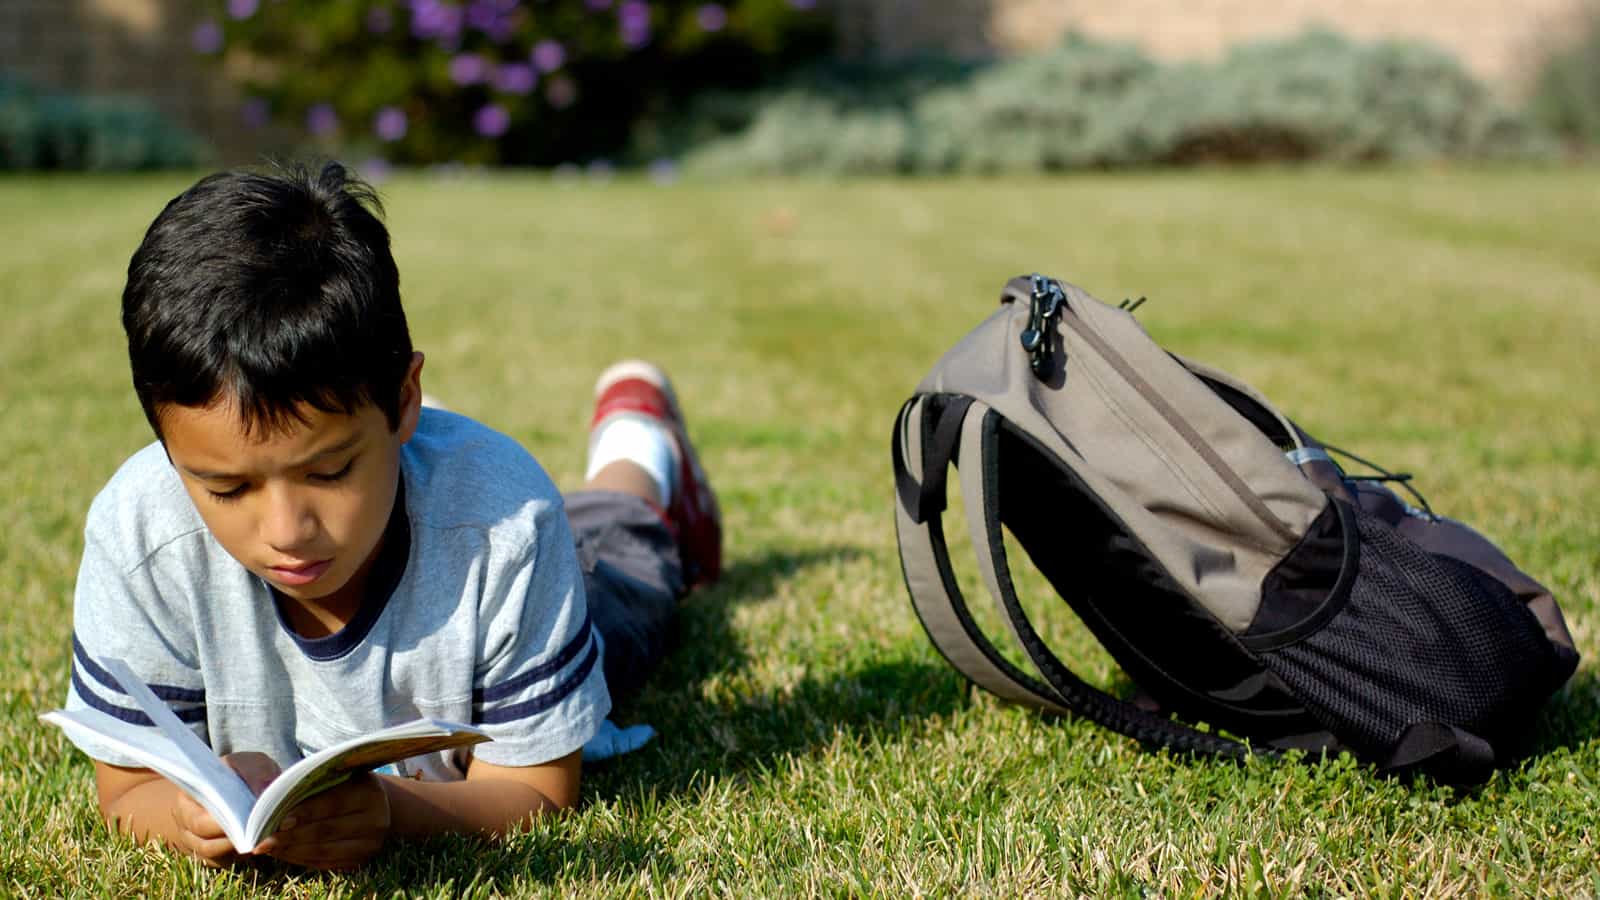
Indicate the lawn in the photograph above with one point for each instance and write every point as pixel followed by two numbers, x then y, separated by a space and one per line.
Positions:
pixel 1442 322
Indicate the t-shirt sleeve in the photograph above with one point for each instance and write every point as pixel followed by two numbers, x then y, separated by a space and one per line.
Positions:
pixel 119 611
pixel 539 687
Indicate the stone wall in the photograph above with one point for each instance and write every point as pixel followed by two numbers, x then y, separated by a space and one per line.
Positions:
pixel 137 47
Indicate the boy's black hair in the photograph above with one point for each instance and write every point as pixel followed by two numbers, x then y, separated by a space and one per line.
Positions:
pixel 271 290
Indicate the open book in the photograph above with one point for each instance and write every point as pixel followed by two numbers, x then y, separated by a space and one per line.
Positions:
pixel 173 750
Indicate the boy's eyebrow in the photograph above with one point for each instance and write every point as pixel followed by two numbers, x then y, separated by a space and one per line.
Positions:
pixel 340 447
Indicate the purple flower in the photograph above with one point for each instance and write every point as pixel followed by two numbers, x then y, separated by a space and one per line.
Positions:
pixel 492 17
pixel 549 55
pixel 321 119
pixel 483 16
pixel 633 23
pixel 431 19
pixel 255 113
pixel 712 17
pixel 597 5
pixel 243 9
pixel 380 19
pixel 515 78
pixel 601 170
pixel 561 91
pixel 468 68
pixel 634 12
pixel 206 37
pixel 491 121
pixel 390 123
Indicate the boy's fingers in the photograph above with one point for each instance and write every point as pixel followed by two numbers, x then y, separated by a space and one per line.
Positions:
pixel 350 799
pixel 336 854
pixel 334 828
pixel 193 818
pixel 212 851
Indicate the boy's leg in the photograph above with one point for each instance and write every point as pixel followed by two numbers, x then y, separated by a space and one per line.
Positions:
pixel 642 545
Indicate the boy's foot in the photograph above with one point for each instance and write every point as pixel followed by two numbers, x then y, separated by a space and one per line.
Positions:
pixel 637 388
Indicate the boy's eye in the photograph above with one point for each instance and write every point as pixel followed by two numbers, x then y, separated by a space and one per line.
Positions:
pixel 334 476
pixel 232 494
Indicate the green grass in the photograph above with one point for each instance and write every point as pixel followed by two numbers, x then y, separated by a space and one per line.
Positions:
pixel 1442 322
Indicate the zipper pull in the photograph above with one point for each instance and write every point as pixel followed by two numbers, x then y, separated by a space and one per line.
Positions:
pixel 1044 307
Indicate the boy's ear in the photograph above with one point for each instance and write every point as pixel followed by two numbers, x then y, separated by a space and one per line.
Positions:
pixel 410 398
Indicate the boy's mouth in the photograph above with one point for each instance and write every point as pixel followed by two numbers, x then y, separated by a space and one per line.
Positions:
pixel 301 574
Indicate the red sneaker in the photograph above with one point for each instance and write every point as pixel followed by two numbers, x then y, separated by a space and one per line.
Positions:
pixel 638 388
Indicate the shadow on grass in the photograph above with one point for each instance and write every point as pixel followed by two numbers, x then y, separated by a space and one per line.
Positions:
pixel 464 866
pixel 705 644
pixel 1571 718
pixel 715 733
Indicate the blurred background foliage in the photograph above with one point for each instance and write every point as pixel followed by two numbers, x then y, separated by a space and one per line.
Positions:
pixel 1318 97
pixel 1567 96
pixel 42 129
pixel 758 87
pixel 497 81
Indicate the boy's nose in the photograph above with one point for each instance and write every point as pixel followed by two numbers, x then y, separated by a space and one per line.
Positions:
pixel 288 523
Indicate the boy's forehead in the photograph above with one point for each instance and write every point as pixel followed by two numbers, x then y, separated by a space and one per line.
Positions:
pixel 224 430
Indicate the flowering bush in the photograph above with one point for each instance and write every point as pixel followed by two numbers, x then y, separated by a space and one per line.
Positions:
pixel 493 81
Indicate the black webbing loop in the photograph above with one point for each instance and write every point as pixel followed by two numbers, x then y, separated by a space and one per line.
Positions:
pixel 940 430
pixel 1076 694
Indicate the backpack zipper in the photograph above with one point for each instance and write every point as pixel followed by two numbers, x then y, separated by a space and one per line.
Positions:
pixel 1159 403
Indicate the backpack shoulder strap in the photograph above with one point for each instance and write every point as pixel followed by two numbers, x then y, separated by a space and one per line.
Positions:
pixel 931 432
pixel 926 436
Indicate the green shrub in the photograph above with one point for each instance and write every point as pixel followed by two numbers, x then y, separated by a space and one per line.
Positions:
pixel 1049 111
pixel 1323 97
pixel 1566 97
pixel 496 81
pixel 44 130
pixel 1096 105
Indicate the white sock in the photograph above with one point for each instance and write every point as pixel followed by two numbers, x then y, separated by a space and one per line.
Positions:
pixel 641 441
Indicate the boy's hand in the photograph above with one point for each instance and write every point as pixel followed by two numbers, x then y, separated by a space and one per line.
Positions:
pixel 340 828
pixel 198 832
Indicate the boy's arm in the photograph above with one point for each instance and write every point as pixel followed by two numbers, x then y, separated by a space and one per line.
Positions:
pixel 493 799
pixel 147 807
pixel 343 827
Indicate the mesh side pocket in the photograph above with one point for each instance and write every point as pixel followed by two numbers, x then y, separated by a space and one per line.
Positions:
pixel 1423 638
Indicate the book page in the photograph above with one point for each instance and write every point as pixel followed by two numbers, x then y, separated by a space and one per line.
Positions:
pixel 155 752
pixel 332 766
pixel 226 786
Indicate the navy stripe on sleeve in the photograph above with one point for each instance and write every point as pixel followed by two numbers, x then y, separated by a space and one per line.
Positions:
pixel 543 701
pixel 166 692
pixel 491 693
pixel 95 701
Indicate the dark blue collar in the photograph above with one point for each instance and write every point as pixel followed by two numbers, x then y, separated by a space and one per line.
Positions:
pixel 381 582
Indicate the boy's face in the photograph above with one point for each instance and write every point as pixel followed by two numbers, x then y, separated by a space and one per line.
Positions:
pixel 304 508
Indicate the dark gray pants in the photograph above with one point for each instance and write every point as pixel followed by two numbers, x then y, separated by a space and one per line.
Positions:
pixel 634 579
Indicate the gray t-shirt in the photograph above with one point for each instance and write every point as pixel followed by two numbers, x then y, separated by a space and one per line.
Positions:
pixel 485 621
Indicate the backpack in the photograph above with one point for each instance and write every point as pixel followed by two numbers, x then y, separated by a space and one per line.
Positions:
pixel 1227 562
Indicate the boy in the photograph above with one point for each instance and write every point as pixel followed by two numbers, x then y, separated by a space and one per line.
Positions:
pixel 306 554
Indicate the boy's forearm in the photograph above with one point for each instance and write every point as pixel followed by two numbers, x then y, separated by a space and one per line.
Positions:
pixel 145 812
pixel 422 808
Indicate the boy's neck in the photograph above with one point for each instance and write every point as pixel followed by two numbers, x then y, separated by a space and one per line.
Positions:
pixel 313 619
